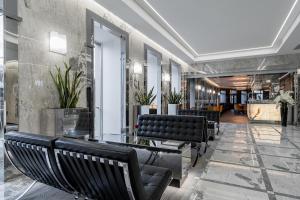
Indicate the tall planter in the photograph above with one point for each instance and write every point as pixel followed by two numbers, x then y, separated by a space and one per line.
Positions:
pixel 284 112
pixel 57 122
pixel 172 109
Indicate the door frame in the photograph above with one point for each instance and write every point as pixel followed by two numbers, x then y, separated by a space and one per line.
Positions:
pixel 91 18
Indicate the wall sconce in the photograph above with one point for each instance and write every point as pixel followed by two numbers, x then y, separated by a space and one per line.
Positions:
pixel 166 77
pixel 137 68
pixel 214 92
pixel 203 89
pixel 198 87
pixel 58 43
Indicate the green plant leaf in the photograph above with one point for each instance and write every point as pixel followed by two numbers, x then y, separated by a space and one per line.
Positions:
pixel 68 86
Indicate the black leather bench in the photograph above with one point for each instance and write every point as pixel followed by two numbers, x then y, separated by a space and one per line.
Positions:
pixel 88 169
pixel 213 117
pixel 174 127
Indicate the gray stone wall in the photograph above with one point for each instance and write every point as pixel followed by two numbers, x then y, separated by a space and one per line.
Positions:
pixel 36 90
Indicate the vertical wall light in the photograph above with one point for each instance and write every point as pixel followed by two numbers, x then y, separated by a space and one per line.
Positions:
pixel 58 43
pixel 198 87
pixel 137 68
pixel 166 77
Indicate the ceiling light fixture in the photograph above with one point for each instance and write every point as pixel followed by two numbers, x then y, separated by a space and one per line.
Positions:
pixel 286 19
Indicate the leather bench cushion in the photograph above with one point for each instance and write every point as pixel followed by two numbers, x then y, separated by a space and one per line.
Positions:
pixel 183 128
pixel 210 115
pixel 29 138
pixel 155 180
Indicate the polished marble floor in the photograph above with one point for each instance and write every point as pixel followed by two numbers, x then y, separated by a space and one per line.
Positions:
pixel 245 162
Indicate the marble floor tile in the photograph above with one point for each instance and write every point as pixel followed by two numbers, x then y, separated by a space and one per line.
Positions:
pixel 267 137
pixel 236 140
pixel 234 174
pixel 278 197
pixel 294 139
pixel 206 190
pixel 297 144
pixel 247 148
pixel 279 144
pixel 282 164
pixel 275 151
pixel 284 182
pixel 235 158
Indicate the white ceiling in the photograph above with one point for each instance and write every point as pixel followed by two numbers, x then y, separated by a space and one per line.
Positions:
pixel 217 26
pixel 201 30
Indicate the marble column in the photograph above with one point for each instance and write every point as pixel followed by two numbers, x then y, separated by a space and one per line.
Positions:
pixel 192 93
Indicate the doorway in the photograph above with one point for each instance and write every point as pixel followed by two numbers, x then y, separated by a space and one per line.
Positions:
pixel 109 81
pixel 153 76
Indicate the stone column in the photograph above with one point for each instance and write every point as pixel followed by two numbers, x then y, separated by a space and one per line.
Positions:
pixel 297 97
pixel 192 93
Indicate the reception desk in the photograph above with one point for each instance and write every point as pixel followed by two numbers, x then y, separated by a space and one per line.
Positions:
pixel 263 112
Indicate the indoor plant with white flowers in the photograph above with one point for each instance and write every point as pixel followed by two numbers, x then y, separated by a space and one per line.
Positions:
pixel 282 100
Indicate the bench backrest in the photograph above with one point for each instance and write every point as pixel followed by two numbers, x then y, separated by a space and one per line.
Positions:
pixel 210 115
pixel 33 155
pixel 182 128
pixel 100 171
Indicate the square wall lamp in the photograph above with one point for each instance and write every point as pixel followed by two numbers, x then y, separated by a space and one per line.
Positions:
pixel 137 68
pixel 58 43
pixel 166 77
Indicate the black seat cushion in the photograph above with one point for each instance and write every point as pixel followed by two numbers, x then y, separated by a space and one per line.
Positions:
pixel 155 180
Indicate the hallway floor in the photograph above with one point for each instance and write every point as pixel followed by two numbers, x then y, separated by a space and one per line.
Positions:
pixel 245 162
pixel 230 117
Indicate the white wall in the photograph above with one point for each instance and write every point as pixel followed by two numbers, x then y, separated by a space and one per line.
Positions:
pixel 192 93
pixel 176 77
pixel 154 78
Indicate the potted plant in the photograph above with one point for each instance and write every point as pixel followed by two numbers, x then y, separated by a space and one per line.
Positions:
pixel 174 99
pixel 282 100
pixel 58 121
pixel 145 100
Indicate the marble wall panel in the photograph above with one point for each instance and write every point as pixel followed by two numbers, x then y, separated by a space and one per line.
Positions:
pixel 35 61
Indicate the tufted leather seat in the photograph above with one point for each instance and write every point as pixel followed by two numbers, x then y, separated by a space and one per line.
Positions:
pixel 212 116
pixel 182 128
pixel 155 179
